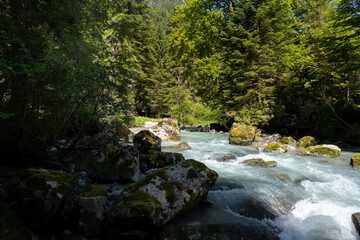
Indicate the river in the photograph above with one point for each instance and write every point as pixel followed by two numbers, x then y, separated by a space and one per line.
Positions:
pixel 301 198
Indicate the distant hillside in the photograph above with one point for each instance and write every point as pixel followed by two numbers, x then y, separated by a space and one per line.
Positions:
pixel 166 5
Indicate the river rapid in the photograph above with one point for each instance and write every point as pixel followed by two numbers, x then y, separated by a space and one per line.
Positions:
pixel 302 197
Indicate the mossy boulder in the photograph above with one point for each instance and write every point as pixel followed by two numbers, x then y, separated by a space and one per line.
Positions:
pixel 241 134
pixel 355 161
pixel 97 141
pixel 145 141
pixel 226 158
pixel 117 163
pixel 306 141
pixel 275 147
pixel 155 159
pixel 179 147
pixel 37 194
pixel 259 162
pixel 159 197
pixel 288 140
pixel 326 150
pixel 121 131
pixel 92 205
pixel 266 138
pixel 356 220
pixel 11 225
pixel 167 129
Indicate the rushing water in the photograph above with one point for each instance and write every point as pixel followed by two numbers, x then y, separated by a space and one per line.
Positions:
pixel 302 197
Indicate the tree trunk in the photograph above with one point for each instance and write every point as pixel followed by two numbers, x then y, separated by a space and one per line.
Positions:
pixel 180 103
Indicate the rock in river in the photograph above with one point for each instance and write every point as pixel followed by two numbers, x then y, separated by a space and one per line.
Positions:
pixel 241 134
pixel 155 159
pixel 259 162
pixel 326 150
pixel 167 129
pixel 306 141
pixel 145 141
pixel 355 161
pixel 160 197
pixel 275 148
pixel 180 147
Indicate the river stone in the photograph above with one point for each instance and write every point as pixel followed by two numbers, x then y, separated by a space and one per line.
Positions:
pixel 266 138
pixel 259 162
pixel 145 141
pixel 306 141
pixel 241 134
pixel 37 194
pixel 275 148
pixel 288 141
pixel 167 129
pixel 356 220
pixel 326 150
pixel 11 225
pixel 117 163
pixel 180 147
pixel 226 158
pixel 155 159
pixel 121 131
pixel 355 161
pixel 160 197
pixel 92 203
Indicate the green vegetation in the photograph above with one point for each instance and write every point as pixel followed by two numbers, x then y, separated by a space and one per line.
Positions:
pixel 287 140
pixel 355 161
pixel 320 150
pixel 306 141
pixel 274 146
pixel 141 203
pixel 95 191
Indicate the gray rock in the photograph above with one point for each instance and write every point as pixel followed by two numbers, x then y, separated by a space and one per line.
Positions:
pixel 275 147
pixel 155 159
pixel 180 147
pixel 326 150
pixel 160 197
pixel 37 194
pixel 226 158
pixel 145 141
pixel 167 129
pixel 258 162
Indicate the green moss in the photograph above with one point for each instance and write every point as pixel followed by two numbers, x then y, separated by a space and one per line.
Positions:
pixel 141 203
pixel 94 191
pixel 168 187
pixel 287 140
pixel 161 173
pixel 306 141
pixel 320 151
pixel 275 146
pixel 259 162
pixel 355 161
pixel 11 225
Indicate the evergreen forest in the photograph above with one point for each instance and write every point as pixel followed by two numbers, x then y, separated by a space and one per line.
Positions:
pixel 287 66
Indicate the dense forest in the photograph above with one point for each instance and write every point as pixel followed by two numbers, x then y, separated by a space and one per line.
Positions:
pixel 290 66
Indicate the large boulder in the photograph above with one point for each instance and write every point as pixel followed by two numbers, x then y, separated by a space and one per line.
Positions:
pixel 356 220
pixel 121 131
pixel 266 138
pixel 11 225
pixel 37 194
pixel 97 141
pixel 326 150
pixel 117 163
pixel 179 147
pixel 355 161
pixel 259 162
pixel 92 203
pixel 155 159
pixel 241 134
pixel 160 197
pixel 288 141
pixel 145 141
pixel 275 147
pixel 167 129
pixel 306 141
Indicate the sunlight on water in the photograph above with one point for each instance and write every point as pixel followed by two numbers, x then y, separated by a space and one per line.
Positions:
pixel 309 197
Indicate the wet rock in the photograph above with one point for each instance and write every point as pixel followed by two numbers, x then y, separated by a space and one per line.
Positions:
pixel 266 138
pixel 355 161
pixel 37 194
pixel 92 205
pixel 322 151
pixel 180 147
pixel 283 177
pixel 160 197
pixel 258 162
pixel 241 134
pixel 167 129
pixel 117 163
pixel 258 210
pixel 275 148
pixel 226 158
pixel 306 141
pixel 145 141
pixel 11 225
pixel 289 141
pixel 356 220
pixel 121 131
pixel 155 159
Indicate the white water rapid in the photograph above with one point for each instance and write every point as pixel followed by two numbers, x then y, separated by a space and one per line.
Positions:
pixel 301 198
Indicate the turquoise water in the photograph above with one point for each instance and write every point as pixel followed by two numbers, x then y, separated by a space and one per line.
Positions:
pixel 308 197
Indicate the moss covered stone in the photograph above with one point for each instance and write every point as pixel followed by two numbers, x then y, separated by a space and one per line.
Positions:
pixel 275 147
pixel 306 141
pixel 241 134
pixel 322 151
pixel 355 161
pixel 95 191
pixel 145 141
pixel 11 225
pixel 259 162
pixel 140 203
pixel 288 140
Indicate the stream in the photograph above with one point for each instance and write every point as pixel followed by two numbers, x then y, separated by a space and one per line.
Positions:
pixel 302 197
